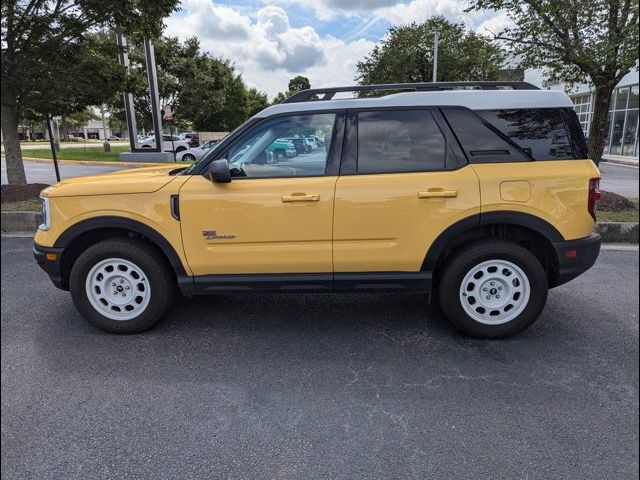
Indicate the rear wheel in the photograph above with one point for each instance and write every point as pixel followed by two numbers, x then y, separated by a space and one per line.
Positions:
pixel 122 285
pixel 493 289
pixel 188 157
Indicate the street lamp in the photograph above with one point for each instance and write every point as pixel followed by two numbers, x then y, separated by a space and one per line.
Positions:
pixel 436 38
pixel 105 143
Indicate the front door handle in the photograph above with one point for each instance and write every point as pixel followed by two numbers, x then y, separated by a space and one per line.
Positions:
pixel 300 197
pixel 438 193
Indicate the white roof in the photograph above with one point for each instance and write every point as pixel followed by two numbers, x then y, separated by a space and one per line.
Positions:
pixel 473 99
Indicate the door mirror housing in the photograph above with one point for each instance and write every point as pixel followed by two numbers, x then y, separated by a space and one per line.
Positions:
pixel 219 171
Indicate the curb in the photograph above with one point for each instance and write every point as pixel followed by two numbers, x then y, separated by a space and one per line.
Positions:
pixel 618 232
pixel 619 161
pixel 88 162
pixel 18 222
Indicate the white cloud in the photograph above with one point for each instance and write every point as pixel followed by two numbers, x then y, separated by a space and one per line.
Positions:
pixel 268 51
pixel 265 48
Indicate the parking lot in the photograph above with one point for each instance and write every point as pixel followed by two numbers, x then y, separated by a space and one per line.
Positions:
pixel 366 386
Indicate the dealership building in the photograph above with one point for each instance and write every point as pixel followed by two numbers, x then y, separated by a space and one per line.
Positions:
pixel 622 127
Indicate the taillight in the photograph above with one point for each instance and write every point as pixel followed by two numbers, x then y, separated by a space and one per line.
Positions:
pixel 594 196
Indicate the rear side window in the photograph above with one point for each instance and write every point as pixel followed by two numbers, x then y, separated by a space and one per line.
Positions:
pixel 392 141
pixel 540 132
pixel 482 142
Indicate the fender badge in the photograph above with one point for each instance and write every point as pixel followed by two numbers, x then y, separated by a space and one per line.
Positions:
pixel 213 235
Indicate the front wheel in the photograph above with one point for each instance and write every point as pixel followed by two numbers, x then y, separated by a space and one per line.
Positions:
pixel 188 157
pixel 493 289
pixel 122 285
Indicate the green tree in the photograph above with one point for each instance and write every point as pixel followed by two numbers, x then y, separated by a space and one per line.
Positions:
pixel 175 61
pixel 76 120
pixel 280 97
pixel 296 84
pixel 53 63
pixel 256 101
pixel 405 54
pixel 188 80
pixel 214 98
pixel 575 41
pixel 299 83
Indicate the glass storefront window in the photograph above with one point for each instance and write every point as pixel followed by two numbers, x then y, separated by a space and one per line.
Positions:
pixel 633 97
pixel 616 133
pixel 621 98
pixel 630 135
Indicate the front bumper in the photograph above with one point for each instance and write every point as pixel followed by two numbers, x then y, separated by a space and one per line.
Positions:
pixel 51 265
pixel 575 257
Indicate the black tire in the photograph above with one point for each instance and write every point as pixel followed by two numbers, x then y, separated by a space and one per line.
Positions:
pixel 180 149
pixel 188 157
pixel 161 281
pixel 474 254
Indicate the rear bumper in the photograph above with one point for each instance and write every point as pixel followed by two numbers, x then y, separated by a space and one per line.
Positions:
pixel 575 257
pixel 51 266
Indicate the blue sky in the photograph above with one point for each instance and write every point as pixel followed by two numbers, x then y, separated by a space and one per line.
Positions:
pixel 270 41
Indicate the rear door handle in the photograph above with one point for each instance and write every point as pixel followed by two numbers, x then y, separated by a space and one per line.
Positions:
pixel 300 197
pixel 438 193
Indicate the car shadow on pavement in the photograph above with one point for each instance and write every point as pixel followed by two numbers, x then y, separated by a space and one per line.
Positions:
pixel 202 336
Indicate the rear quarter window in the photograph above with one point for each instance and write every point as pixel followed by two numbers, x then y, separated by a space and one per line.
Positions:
pixel 541 132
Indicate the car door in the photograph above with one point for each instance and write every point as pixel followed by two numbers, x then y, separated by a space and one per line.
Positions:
pixel 403 181
pixel 272 218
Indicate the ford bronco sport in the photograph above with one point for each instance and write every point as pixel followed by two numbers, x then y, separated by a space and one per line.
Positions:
pixel 478 194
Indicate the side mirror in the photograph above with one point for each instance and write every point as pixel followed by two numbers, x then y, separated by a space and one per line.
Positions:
pixel 219 171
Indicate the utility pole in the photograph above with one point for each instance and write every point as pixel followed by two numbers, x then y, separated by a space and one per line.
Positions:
pixel 436 38
pixel 105 143
pixel 52 142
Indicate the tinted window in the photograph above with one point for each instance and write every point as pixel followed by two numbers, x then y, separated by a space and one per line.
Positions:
pixel 482 143
pixel 270 150
pixel 399 141
pixel 539 131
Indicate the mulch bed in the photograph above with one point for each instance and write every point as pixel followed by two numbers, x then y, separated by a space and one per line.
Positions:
pixel 19 193
pixel 612 202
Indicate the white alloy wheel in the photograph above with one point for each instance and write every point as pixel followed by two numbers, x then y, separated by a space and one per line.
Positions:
pixel 494 292
pixel 118 289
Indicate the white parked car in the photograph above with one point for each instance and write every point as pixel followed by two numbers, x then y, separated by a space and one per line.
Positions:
pixel 195 153
pixel 311 142
pixel 167 144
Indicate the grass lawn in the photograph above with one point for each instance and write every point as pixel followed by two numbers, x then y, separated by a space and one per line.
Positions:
pixel 24 206
pixel 92 154
pixel 624 216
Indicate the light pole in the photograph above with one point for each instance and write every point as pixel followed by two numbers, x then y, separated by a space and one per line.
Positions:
pixel 105 143
pixel 436 38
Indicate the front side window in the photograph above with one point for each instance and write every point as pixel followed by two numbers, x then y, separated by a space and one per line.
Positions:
pixel 392 141
pixel 277 148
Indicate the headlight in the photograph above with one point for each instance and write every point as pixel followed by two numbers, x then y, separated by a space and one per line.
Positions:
pixel 46 214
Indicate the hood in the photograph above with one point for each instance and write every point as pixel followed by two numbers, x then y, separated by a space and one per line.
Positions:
pixel 135 180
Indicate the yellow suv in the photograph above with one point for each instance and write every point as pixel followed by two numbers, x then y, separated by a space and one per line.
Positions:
pixel 480 194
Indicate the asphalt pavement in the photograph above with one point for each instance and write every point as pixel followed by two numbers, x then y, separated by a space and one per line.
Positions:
pixel 319 386
pixel 621 179
pixel 44 172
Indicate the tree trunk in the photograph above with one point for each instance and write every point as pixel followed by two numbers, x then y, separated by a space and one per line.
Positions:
pixel 12 152
pixel 597 131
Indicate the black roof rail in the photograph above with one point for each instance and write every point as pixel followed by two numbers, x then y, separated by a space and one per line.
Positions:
pixel 328 93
